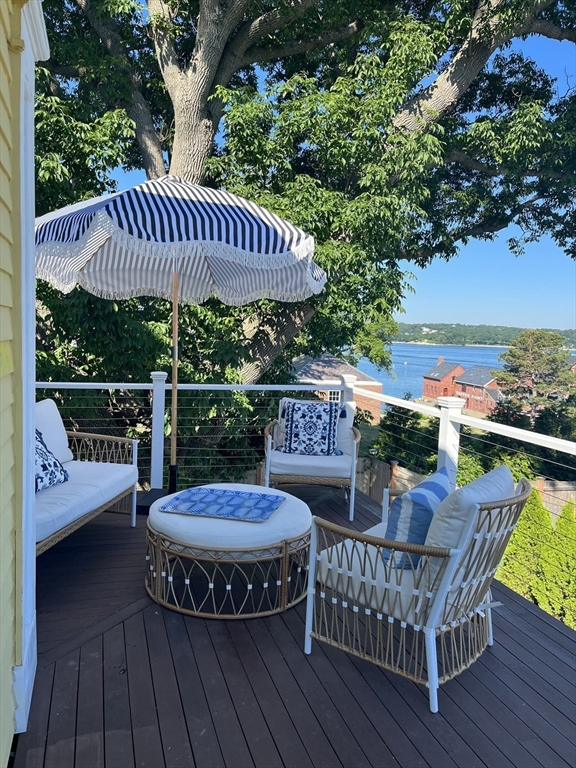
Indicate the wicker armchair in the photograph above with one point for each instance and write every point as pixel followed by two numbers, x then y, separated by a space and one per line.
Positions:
pixel 427 621
pixel 337 471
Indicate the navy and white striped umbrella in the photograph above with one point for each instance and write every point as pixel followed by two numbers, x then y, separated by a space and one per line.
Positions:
pixel 129 244
pixel 180 241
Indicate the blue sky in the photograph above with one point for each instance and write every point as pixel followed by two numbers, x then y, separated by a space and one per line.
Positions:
pixel 485 283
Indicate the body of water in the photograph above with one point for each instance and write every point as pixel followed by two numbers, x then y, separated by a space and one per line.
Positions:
pixel 411 361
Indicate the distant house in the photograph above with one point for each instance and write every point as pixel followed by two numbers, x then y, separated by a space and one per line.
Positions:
pixel 439 381
pixel 572 363
pixel 478 387
pixel 330 367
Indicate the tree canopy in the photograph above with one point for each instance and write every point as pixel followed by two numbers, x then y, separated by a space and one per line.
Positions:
pixel 389 131
pixel 536 373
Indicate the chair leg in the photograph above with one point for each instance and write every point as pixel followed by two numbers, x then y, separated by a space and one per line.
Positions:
pixel 133 511
pixel 267 461
pixel 432 664
pixel 311 591
pixel 308 626
pixel 489 621
pixel 352 497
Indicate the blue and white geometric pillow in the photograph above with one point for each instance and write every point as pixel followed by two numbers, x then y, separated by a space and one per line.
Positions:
pixel 49 471
pixel 412 512
pixel 310 428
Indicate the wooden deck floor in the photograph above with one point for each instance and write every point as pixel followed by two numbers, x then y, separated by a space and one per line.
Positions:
pixel 122 682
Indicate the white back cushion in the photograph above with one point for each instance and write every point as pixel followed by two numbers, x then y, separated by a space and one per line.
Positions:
pixel 344 429
pixel 49 422
pixel 451 517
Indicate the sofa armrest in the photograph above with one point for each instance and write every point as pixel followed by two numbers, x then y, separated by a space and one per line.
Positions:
pixel 88 446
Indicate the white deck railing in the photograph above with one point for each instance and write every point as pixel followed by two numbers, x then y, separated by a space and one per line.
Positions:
pixel 158 389
pixel 448 412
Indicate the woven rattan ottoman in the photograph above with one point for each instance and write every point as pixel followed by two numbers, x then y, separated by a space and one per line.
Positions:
pixel 227 569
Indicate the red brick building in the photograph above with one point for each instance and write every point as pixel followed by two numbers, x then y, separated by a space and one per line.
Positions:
pixel 331 367
pixel 478 387
pixel 439 381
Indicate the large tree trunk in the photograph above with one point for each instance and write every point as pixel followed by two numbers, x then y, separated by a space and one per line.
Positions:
pixel 146 136
pixel 193 137
pixel 268 341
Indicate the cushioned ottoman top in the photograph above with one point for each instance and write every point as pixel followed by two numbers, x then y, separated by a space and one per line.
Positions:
pixel 290 520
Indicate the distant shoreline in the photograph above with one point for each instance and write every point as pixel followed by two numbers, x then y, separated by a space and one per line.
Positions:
pixel 436 344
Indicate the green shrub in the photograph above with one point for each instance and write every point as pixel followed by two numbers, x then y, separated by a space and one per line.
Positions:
pixel 554 589
pixel 521 562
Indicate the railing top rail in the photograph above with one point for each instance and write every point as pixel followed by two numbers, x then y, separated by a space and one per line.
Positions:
pixel 312 386
pixel 535 438
pixel 429 410
pixel 89 385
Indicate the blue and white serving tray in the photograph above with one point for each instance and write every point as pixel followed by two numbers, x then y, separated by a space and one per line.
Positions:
pixel 224 503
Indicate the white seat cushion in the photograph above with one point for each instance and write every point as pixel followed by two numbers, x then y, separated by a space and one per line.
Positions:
pixel 290 520
pixel 310 466
pixel 90 485
pixel 50 424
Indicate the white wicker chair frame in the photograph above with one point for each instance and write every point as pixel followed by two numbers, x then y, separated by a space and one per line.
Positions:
pixel 348 483
pixel 86 446
pixel 427 622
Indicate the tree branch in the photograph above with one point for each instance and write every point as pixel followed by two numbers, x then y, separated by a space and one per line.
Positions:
pixel 160 21
pixel 496 170
pixel 271 22
pixel 136 107
pixel 548 29
pixel 62 70
pixel 486 227
pixel 251 31
pixel 486 35
pixel 268 340
pixel 258 54
pixel 479 228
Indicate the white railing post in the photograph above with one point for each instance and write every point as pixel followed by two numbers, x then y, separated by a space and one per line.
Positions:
pixel 158 412
pixel 348 391
pixel 449 435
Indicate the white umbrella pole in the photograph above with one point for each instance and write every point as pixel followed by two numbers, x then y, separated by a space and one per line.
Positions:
pixel 173 469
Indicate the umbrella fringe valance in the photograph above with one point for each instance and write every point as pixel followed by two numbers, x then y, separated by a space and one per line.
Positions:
pixel 228 299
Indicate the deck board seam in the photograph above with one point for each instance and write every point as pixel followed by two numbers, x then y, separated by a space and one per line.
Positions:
pixel 68 646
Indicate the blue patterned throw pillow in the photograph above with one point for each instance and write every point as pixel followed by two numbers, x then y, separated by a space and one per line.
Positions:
pixel 49 471
pixel 412 512
pixel 310 428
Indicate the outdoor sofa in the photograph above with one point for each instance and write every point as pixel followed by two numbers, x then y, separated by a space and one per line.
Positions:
pixel 99 474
